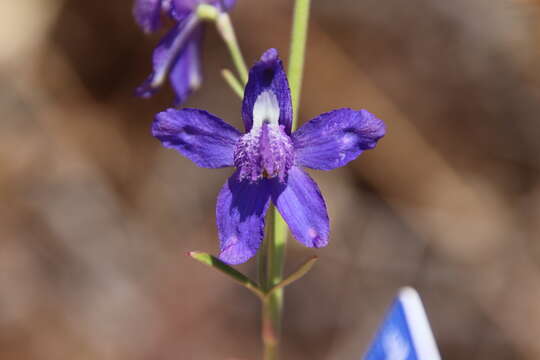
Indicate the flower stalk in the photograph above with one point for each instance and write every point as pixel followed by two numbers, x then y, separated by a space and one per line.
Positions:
pixel 226 31
pixel 272 310
pixel 297 53
pixel 277 238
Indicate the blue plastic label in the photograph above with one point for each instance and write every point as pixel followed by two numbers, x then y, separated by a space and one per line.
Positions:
pixel 405 333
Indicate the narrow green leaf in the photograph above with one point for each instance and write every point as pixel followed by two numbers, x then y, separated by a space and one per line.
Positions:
pixel 301 271
pixel 234 274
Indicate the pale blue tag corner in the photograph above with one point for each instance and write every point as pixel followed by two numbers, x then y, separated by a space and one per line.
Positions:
pixel 405 333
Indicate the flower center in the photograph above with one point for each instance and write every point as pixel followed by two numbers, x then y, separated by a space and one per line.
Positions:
pixel 265 151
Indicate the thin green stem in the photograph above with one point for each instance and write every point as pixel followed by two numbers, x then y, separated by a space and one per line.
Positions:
pixel 233 82
pixel 270 352
pixel 275 249
pixel 276 261
pixel 268 332
pixel 271 305
pixel 297 53
pixel 226 30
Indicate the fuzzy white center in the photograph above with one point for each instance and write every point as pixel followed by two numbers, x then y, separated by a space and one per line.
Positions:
pixel 266 109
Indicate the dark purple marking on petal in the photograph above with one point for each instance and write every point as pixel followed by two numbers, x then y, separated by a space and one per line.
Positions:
pixel 186 74
pixel 241 207
pixel 268 75
pixel 166 55
pixel 334 138
pixel 302 206
pixel 147 14
pixel 200 136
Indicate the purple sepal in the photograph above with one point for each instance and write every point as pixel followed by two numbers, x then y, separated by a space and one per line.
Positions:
pixel 268 74
pixel 241 207
pixel 302 206
pixel 168 53
pixel 198 135
pixel 186 74
pixel 147 14
pixel 335 138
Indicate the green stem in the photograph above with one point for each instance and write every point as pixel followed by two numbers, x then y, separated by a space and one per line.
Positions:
pixel 277 238
pixel 268 332
pixel 233 82
pixel 297 53
pixel 226 30
pixel 272 304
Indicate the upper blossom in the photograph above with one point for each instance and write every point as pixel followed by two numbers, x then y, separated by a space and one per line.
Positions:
pixel 268 158
pixel 177 55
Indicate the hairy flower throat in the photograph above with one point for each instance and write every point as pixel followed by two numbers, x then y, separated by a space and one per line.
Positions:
pixel 266 150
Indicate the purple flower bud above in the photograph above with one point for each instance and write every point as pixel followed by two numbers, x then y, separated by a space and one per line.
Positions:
pixel 269 159
pixel 177 55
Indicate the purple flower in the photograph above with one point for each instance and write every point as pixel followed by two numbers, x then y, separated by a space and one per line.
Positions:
pixel 268 159
pixel 178 54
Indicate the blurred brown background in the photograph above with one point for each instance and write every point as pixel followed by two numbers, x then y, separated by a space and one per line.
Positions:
pixel 95 216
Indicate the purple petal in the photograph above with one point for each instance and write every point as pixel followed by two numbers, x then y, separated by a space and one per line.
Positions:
pixel 268 75
pixel 302 206
pixel 241 207
pixel 147 14
pixel 186 75
pixel 203 138
pixel 167 53
pixel 333 139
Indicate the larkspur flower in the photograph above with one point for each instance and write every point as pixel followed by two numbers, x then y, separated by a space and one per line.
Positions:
pixel 268 159
pixel 178 54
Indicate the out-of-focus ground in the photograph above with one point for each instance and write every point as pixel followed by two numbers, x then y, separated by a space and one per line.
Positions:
pixel 95 216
